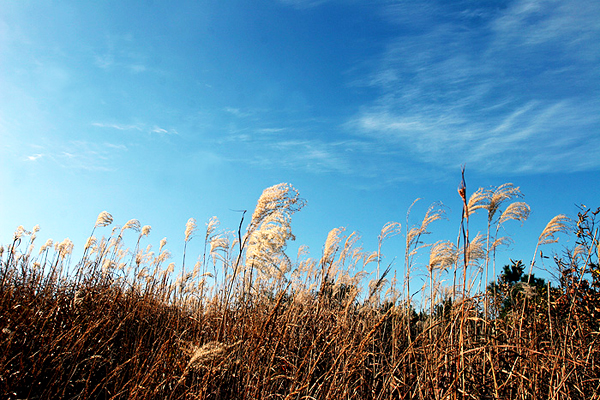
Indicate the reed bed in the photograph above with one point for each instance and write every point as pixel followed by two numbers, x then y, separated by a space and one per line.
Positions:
pixel 247 322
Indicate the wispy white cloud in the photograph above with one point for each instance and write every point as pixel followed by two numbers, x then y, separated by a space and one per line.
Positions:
pixel 120 127
pixel 501 143
pixel 136 127
pixel 301 4
pixel 88 156
pixel 114 146
pixel 497 89
pixel 312 155
pixel 238 112
pixel 121 52
pixel 158 129
pixel 34 157
pixel 79 155
pixel 137 68
pixel 271 130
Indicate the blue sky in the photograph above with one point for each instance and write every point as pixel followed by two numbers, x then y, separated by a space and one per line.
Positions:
pixel 163 111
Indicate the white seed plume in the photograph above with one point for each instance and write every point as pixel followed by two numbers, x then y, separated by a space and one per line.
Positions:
pixel 171 268
pixel 45 246
pixel 163 242
pixel 190 228
pixel 133 224
pixel 219 242
pixel 499 195
pixel 164 256
pixel 65 247
pixel 20 232
pixel 146 230
pixel 479 199
pixel 282 197
pixel 104 219
pixel 91 241
pixel 334 238
pixel 518 211
pixel 560 223
pixel 211 225
pixel 442 255
pixel 389 229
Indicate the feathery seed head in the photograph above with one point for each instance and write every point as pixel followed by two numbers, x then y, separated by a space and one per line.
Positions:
pixel 133 224
pixel 121 253
pixel 210 355
pixel 270 229
pixel 371 257
pixel 211 225
pixel 65 247
pixel 334 237
pixel 434 213
pixel 219 242
pixel 164 256
pixel 499 195
pixel 501 241
pixel 91 241
pixel 143 273
pixel 303 251
pixel 107 265
pixel 171 268
pixel 139 257
pixel 104 219
pixel 146 230
pixel 283 197
pixel 442 255
pixel 479 199
pixel 476 249
pixel 20 232
pixel 163 241
pixel 389 229
pixel 197 267
pixel 190 228
pixel 579 251
pixel 560 223
pixel 49 243
pixel 518 211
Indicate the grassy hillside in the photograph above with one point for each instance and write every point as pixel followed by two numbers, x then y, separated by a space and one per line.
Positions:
pixel 247 322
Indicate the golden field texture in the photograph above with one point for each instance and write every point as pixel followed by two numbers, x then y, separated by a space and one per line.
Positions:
pixel 248 322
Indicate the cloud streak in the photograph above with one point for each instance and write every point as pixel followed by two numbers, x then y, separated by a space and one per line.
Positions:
pixel 120 127
pixel 136 127
pixel 496 89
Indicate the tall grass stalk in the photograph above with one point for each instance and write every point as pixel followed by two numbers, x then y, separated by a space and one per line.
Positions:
pixel 298 330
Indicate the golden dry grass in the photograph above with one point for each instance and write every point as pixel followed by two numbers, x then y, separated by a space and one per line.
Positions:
pixel 120 325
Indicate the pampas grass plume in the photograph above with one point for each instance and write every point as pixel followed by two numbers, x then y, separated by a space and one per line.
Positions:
pixel 104 219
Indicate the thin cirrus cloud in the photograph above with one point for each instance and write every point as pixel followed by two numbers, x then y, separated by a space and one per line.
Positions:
pixel 80 155
pixel 501 96
pixel 136 127
pixel 34 157
pixel 90 156
pixel 303 3
pixel 312 155
pixel 120 127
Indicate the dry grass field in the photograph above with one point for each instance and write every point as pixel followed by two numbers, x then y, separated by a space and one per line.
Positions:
pixel 247 322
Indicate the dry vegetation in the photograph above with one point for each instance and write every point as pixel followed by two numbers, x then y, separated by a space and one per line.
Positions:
pixel 247 322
